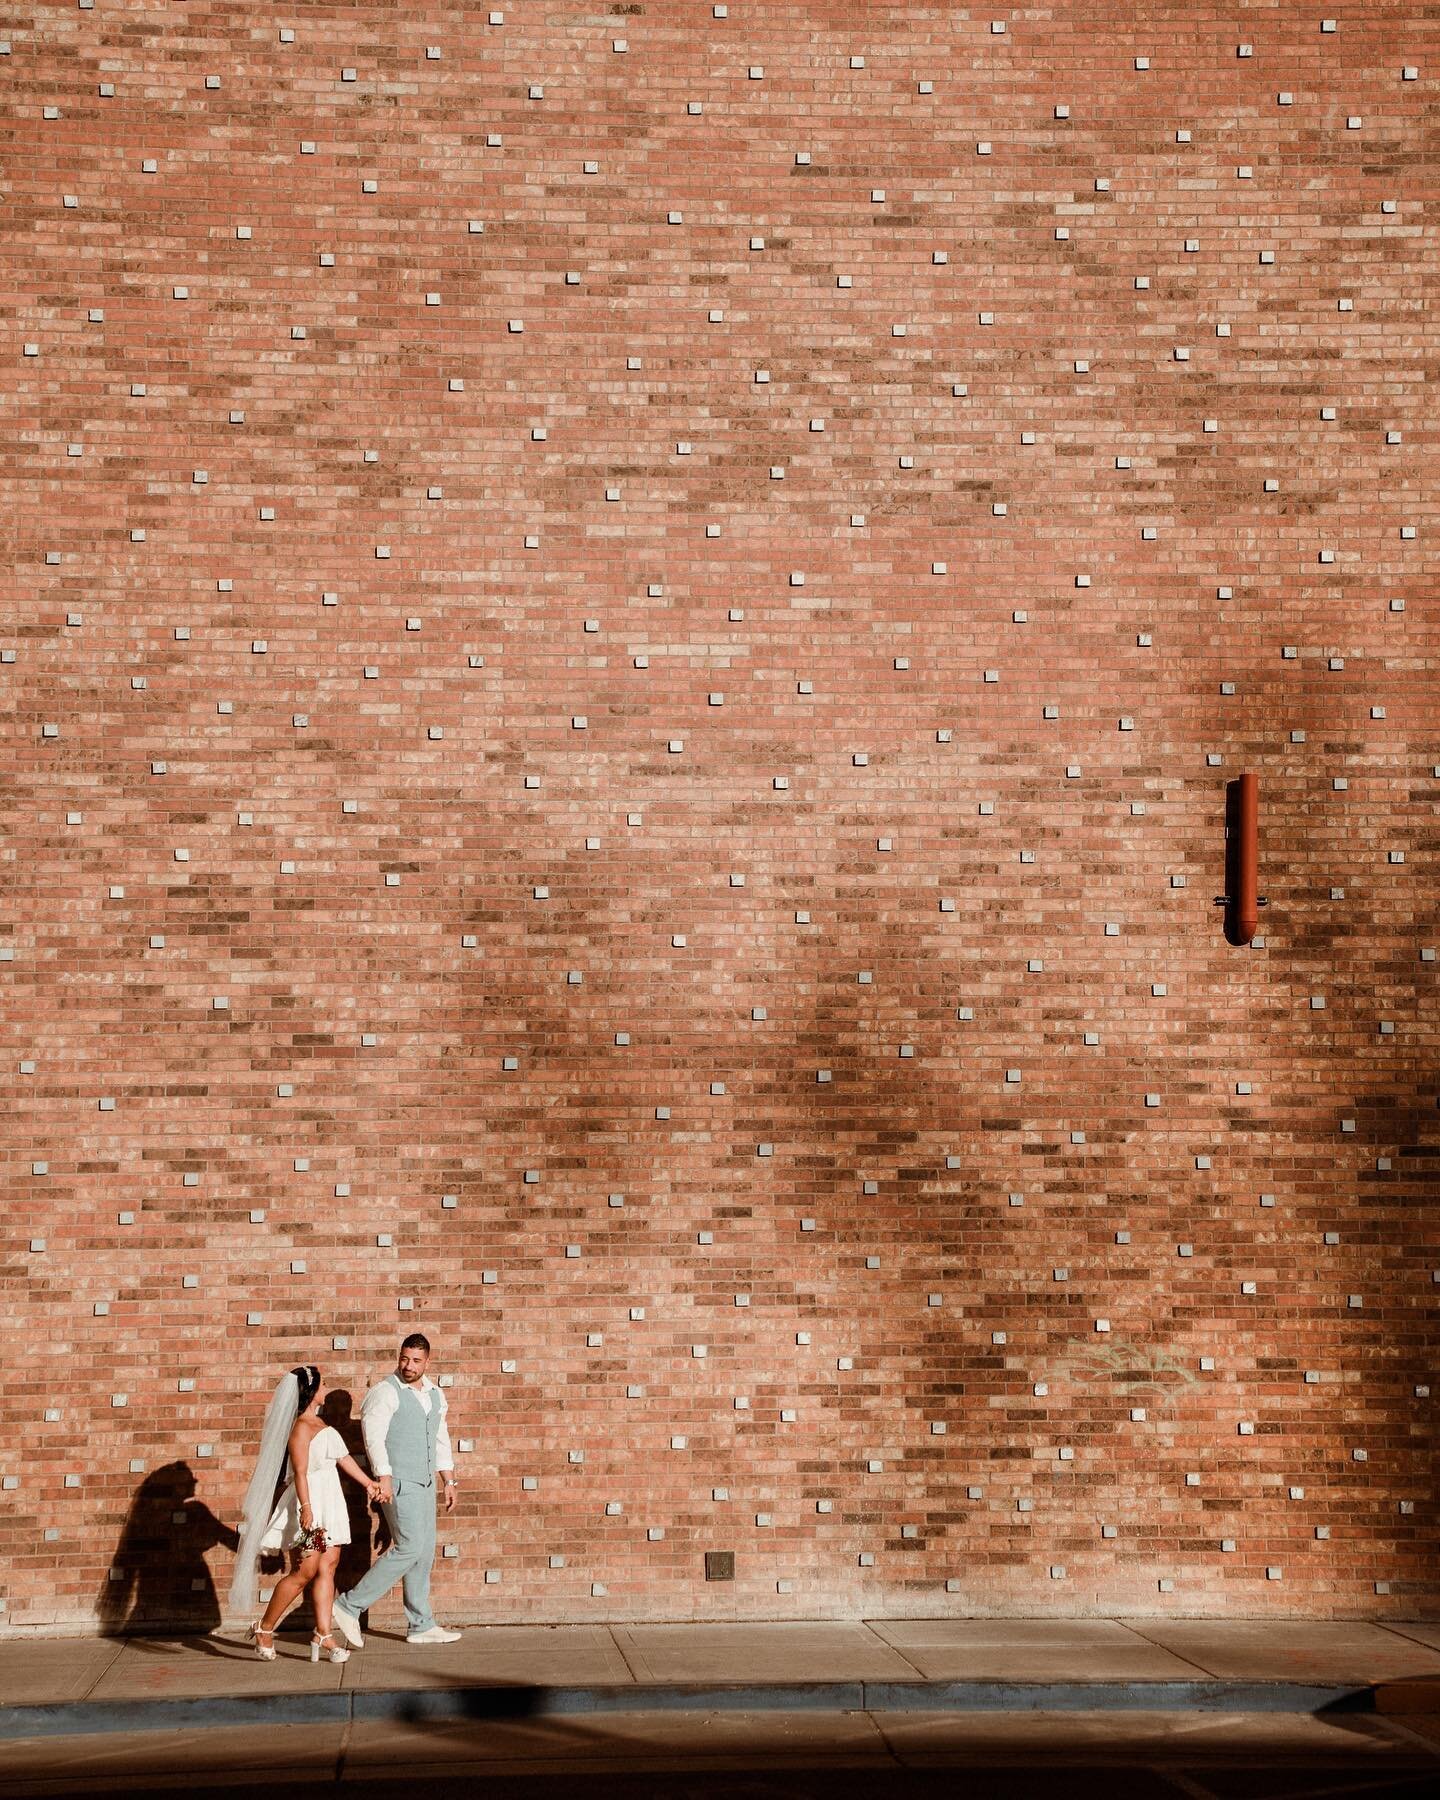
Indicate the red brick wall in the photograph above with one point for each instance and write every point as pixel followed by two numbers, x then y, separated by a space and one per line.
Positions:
pixel 634 673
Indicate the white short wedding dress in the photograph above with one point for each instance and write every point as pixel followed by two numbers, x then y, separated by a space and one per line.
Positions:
pixel 327 1499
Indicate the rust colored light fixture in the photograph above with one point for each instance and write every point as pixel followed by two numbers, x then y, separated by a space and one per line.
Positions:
pixel 1241 900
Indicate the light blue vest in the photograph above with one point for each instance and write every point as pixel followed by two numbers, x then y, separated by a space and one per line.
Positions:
pixel 410 1439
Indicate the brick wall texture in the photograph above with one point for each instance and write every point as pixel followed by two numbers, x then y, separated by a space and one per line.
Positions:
pixel 624 638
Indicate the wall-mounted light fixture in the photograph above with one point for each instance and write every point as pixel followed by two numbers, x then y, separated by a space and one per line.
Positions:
pixel 1241 901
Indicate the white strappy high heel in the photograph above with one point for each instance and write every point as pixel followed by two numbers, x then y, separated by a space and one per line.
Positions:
pixel 266 1652
pixel 337 1653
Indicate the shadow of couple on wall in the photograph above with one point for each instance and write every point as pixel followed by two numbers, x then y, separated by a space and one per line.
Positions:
pixel 159 1580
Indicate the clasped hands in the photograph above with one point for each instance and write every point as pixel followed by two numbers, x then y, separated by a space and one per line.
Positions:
pixel 382 1491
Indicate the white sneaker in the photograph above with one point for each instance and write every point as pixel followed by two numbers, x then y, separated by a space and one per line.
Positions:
pixel 436 1634
pixel 348 1626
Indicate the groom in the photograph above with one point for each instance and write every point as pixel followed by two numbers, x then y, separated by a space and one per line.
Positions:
pixel 403 1421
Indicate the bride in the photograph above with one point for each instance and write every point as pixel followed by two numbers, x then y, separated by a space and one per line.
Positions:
pixel 309 1520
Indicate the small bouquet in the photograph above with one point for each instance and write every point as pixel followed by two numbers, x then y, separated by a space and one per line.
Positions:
pixel 311 1538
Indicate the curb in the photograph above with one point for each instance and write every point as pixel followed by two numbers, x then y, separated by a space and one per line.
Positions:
pixel 91 1717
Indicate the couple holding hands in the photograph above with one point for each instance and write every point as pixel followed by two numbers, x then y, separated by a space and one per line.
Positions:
pixel 408 1448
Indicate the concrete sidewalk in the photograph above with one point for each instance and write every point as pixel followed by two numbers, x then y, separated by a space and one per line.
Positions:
pixel 89 1687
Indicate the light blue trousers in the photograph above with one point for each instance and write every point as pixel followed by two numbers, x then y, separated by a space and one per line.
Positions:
pixel 411 1518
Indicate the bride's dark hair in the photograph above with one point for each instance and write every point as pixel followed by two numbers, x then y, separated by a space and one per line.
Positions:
pixel 307 1378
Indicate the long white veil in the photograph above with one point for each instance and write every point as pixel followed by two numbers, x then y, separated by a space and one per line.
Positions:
pixel 260 1495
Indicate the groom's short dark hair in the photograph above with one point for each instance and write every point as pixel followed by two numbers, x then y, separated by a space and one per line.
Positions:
pixel 417 1341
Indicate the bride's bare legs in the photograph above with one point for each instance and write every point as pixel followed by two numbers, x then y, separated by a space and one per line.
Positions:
pixel 289 1588
pixel 322 1594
